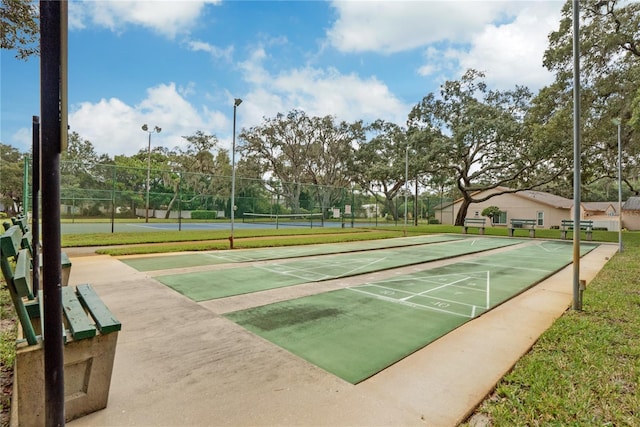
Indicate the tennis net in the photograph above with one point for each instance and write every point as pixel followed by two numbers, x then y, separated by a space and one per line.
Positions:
pixel 294 220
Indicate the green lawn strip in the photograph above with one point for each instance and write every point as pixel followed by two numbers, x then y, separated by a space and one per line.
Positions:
pixel 355 333
pixel 221 257
pixel 199 240
pixel 8 335
pixel 250 242
pixel 585 369
pixel 206 285
pixel 129 238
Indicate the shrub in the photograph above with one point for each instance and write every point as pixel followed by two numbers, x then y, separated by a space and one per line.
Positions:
pixel 204 214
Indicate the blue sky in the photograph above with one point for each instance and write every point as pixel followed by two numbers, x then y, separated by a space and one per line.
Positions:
pixel 180 64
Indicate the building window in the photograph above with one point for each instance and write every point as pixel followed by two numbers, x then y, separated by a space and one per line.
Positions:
pixel 501 218
pixel 540 218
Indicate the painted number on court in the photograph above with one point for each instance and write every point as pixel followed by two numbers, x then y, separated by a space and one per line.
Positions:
pixel 441 304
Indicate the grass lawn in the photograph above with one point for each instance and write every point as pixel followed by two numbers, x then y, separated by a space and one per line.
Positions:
pixel 585 370
pixel 204 240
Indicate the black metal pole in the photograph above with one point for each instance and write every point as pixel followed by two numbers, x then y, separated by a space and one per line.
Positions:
pixel 577 168
pixel 51 41
pixel 35 204
pixel 415 206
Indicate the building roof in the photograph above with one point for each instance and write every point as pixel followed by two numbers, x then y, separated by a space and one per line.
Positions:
pixel 557 202
pixel 546 198
pixel 599 206
pixel 632 204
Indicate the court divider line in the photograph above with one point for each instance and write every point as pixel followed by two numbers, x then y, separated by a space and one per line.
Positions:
pixel 406 303
pixel 290 254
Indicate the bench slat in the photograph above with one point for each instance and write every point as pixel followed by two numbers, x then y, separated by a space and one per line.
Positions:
pixel 41 315
pixel 18 304
pixel 585 224
pixel 21 222
pixel 475 220
pixel 79 324
pixel 26 242
pixel 529 222
pixel 22 275
pixel 105 320
pixel 10 241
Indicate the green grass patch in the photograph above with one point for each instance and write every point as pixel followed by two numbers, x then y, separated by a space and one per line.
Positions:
pixel 129 238
pixel 8 334
pixel 247 243
pixel 585 370
pixel 205 239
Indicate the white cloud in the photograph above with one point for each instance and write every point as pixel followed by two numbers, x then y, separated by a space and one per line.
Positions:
pixel 512 53
pixel 23 139
pixel 114 127
pixel 505 39
pixel 215 51
pixel 318 92
pixel 394 26
pixel 166 17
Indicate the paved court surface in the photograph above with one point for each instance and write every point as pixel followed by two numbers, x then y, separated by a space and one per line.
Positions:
pixel 205 284
pixel 179 362
pixel 197 259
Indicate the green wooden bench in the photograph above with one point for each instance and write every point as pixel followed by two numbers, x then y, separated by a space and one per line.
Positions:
pixel 479 223
pixel 567 225
pixel 84 310
pixel 529 224
pixel 89 330
pixel 21 221
pixel 27 243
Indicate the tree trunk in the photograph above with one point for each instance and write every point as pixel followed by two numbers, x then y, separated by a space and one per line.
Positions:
pixel 173 199
pixel 391 209
pixel 462 213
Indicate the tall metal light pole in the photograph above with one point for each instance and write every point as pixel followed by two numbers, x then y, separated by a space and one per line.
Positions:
pixel 577 303
pixel 406 184
pixel 155 129
pixel 618 122
pixel 236 102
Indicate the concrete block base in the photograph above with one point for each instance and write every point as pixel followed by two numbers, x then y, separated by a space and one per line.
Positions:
pixel 88 365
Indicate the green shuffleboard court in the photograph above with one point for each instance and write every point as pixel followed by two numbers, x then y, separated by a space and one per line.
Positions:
pixel 247 255
pixel 206 285
pixel 356 332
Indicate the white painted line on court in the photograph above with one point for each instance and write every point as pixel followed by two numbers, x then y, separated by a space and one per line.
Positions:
pixel 440 287
pixel 488 290
pixel 360 267
pixel 386 288
pixel 299 274
pixel 446 300
pixel 484 264
pixel 407 304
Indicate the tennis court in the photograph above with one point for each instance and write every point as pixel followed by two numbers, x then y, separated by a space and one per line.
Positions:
pixel 140 225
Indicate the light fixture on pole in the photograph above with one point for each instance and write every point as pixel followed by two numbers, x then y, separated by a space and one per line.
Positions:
pixel 155 129
pixel 236 102
pixel 618 123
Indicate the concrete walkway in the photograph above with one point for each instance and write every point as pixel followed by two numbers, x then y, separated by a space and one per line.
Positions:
pixel 180 363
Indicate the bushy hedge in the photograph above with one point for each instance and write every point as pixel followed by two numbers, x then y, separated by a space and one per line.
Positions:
pixel 204 214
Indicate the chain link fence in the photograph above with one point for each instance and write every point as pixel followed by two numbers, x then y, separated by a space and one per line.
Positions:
pixel 98 191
